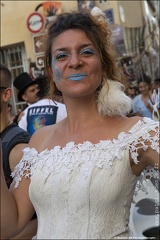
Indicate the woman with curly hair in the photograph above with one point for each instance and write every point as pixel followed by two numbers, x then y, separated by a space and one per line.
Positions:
pixel 80 174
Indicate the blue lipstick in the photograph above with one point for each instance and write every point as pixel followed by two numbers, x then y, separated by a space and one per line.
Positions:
pixel 77 77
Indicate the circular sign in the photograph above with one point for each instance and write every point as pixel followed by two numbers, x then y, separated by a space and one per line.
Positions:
pixel 35 22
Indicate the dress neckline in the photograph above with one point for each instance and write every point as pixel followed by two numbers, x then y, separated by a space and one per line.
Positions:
pixel 71 145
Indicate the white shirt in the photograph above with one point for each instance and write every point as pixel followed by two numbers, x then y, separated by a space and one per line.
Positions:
pixel 42 113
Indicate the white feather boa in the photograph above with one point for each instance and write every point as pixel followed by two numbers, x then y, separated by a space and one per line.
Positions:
pixel 112 100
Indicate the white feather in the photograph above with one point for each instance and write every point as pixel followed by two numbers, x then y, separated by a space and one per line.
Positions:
pixel 96 11
pixel 112 100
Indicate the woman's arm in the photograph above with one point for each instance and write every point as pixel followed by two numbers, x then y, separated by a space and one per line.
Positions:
pixel 16 208
pixel 146 148
pixel 150 157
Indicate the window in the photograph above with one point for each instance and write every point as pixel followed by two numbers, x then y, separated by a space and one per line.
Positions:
pixel 14 57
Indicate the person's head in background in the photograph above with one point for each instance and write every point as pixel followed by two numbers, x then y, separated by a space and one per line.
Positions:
pixel 144 85
pixel 5 93
pixel 130 90
pixel 43 87
pixel 96 30
pixel 156 84
pixel 26 87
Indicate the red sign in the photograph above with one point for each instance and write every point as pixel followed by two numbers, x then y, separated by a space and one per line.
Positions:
pixel 35 22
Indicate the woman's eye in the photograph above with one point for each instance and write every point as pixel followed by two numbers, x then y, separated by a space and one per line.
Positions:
pixel 61 56
pixel 87 51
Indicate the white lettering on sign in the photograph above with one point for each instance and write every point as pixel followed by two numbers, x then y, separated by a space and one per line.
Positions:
pixel 35 22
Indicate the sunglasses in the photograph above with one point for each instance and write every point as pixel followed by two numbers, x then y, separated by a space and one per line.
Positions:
pixel 131 88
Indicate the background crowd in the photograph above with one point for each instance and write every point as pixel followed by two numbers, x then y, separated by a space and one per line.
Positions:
pixel 144 93
pixel 145 96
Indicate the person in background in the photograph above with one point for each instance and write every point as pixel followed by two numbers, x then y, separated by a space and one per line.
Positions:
pixel 81 173
pixel 156 85
pixel 156 98
pixel 130 92
pixel 9 113
pixel 156 92
pixel 13 141
pixel 44 112
pixel 26 91
pixel 142 103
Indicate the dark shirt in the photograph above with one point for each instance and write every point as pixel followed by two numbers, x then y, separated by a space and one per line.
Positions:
pixel 10 137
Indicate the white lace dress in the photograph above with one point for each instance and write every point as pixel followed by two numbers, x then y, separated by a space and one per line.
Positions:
pixel 85 191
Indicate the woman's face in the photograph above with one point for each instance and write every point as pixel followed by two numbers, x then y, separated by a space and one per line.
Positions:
pixel 76 64
pixel 131 90
pixel 143 88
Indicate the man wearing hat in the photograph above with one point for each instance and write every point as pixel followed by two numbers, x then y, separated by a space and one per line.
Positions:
pixel 27 90
pixel 45 111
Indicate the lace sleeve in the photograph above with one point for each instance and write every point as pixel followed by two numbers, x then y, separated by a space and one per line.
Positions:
pixel 23 169
pixel 146 135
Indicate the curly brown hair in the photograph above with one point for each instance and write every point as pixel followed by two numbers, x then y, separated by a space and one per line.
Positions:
pixel 97 30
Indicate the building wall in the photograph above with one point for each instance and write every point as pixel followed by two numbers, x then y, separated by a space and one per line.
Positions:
pixel 14 16
pixel 15 35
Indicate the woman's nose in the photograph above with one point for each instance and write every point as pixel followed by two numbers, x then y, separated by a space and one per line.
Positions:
pixel 75 61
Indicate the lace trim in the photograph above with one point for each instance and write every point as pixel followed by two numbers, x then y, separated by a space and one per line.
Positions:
pixel 98 155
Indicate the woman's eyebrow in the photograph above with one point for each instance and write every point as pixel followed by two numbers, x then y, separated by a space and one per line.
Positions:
pixel 59 49
pixel 65 48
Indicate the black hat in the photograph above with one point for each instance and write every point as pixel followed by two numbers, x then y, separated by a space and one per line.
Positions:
pixel 21 83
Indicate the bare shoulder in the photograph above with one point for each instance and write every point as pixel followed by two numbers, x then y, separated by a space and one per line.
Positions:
pixel 133 120
pixel 42 137
pixel 125 124
pixel 16 155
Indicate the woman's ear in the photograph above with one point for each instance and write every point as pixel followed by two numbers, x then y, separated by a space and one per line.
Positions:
pixel 7 94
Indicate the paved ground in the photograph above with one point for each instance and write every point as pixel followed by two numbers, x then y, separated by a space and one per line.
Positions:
pixel 145 214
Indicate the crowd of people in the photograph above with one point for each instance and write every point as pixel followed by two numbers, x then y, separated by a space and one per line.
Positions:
pixel 78 171
pixel 145 95
pixel 143 92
